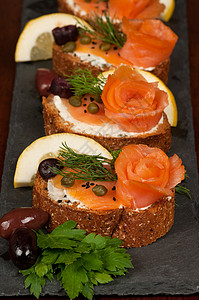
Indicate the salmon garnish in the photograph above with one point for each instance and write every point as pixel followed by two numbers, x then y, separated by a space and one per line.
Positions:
pixel 145 175
pixel 136 9
pixel 131 102
pixel 149 42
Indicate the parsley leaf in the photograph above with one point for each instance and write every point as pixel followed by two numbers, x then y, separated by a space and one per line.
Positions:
pixel 78 260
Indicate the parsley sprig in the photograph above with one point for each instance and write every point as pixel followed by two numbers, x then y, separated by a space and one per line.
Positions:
pixel 83 82
pixel 104 30
pixel 79 261
pixel 86 167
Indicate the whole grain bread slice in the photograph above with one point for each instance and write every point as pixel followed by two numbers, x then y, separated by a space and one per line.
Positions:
pixel 64 63
pixel 135 228
pixel 54 123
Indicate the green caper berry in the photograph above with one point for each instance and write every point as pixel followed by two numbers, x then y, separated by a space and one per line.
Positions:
pixel 81 32
pixel 93 108
pixel 75 101
pixel 69 47
pixel 87 0
pixel 68 180
pixel 99 190
pixel 97 98
pixel 105 46
pixel 85 40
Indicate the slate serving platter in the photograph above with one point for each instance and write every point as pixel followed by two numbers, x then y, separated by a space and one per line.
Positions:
pixel 169 266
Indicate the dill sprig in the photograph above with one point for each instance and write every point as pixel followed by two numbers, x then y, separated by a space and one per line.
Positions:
pixel 104 30
pixel 183 190
pixel 86 167
pixel 84 82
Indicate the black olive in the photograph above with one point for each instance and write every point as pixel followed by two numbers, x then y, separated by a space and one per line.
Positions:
pixel 65 34
pixel 45 167
pixel 61 87
pixel 23 248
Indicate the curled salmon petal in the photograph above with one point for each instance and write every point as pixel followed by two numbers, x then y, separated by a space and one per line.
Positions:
pixel 177 171
pixel 148 43
pixel 139 194
pixel 133 9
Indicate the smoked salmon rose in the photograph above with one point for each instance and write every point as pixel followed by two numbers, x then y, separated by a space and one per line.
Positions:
pixel 131 102
pixel 148 43
pixel 146 174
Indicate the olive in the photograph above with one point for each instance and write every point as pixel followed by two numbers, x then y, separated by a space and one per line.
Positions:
pixel 105 46
pixel 68 180
pixel 45 167
pixel 23 248
pixel 61 87
pixel 99 190
pixel 33 218
pixel 75 101
pixel 43 79
pixel 93 108
pixel 65 34
pixel 69 47
pixel 85 40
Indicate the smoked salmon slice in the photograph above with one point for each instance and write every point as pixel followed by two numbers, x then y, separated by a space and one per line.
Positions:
pixel 131 102
pixel 145 175
pixel 136 9
pixel 149 42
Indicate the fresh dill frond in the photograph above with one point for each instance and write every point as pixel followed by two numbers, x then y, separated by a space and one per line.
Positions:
pixel 104 30
pixel 183 190
pixel 85 167
pixel 83 82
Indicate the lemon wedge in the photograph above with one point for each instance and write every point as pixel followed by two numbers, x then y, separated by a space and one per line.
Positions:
pixel 171 109
pixel 36 40
pixel 49 146
pixel 169 9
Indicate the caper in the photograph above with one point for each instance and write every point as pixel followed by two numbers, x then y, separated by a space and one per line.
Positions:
pixel 97 98
pixel 68 180
pixel 69 47
pixel 93 108
pixel 75 101
pixel 85 40
pixel 105 46
pixel 81 32
pixel 87 0
pixel 99 190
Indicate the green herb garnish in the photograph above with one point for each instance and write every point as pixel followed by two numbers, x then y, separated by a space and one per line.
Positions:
pixel 104 30
pixel 86 167
pixel 83 82
pixel 79 261
pixel 183 190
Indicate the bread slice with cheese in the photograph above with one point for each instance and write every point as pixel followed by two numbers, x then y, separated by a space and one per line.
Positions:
pixel 57 119
pixel 135 228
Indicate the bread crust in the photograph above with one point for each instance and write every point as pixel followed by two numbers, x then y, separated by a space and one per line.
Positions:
pixel 54 123
pixel 134 228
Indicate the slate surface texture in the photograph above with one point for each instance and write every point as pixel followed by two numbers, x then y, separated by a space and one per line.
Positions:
pixel 169 266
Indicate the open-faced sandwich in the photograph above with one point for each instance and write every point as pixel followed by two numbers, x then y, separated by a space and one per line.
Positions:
pixel 131 9
pixel 145 44
pixel 127 194
pixel 130 106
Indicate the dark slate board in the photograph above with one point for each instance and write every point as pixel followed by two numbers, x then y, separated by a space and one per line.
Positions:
pixel 169 266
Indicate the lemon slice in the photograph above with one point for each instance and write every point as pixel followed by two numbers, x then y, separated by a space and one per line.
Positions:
pixel 171 109
pixel 49 146
pixel 35 41
pixel 169 9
